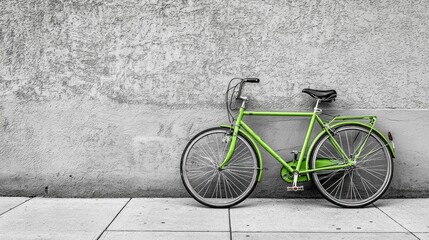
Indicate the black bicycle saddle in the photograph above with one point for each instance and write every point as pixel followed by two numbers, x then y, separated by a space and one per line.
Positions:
pixel 323 95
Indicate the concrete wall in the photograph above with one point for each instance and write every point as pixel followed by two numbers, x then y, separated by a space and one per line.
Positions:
pixel 99 98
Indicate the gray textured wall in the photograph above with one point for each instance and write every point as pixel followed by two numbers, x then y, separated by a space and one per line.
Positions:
pixel 98 98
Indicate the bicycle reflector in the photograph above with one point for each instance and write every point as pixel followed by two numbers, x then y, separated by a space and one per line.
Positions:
pixel 389 135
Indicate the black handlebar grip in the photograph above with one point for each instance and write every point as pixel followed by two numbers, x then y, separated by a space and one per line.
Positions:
pixel 252 80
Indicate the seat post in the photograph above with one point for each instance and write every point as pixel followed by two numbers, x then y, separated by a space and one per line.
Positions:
pixel 316 109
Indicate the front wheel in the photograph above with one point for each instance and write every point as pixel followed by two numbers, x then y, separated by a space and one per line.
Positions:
pixel 202 177
pixel 361 184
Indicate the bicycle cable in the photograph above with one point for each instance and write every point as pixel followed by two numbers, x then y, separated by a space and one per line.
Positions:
pixel 229 106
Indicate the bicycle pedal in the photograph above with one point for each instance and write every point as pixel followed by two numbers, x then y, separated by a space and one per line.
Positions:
pixel 295 188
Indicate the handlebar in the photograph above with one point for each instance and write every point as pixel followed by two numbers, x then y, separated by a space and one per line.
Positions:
pixel 243 81
pixel 229 99
pixel 251 80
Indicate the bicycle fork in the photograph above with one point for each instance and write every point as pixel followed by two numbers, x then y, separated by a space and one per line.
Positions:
pixel 233 138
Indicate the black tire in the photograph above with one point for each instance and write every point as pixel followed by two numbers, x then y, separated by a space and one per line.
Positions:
pixel 373 171
pixel 197 165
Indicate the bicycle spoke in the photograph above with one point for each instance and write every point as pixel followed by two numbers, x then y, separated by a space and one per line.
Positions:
pixel 208 183
pixel 367 183
pixel 224 151
pixel 341 179
pixel 238 154
pixel 372 152
pixel 232 185
pixel 244 167
pixel 332 174
pixel 225 182
pixel 207 156
pixel 218 149
pixel 337 186
pixel 354 140
pixel 348 145
pixel 363 184
pixel 356 147
pixel 378 171
pixel 329 157
pixel 237 175
pixel 216 187
pixel 195 168
pixel 200 160
pixel 332 156
pixel 196 174
pixel 236 170
pixel 209 149
pixel 341 141
pixel 355 188
pixel 372 174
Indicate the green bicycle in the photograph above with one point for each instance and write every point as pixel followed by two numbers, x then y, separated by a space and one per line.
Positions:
pixel 349 161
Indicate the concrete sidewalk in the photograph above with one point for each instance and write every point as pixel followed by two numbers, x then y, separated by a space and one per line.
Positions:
pixel 184 218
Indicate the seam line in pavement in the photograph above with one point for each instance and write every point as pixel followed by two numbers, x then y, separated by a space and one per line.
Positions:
pixel 101 234
pixel 229 222
pixel 16 206
pixel 396 221
pixel 172 231
pixel 339 232
pixel 199 231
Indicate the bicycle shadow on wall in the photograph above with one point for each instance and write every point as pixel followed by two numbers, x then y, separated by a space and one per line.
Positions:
pixel 349 161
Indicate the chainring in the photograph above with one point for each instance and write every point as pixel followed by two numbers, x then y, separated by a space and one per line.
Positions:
pixel 288 177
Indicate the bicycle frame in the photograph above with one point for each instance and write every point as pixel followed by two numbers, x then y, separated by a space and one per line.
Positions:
pixel 314 117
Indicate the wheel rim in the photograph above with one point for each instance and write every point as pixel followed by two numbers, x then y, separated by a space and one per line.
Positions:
pixel 206 182
pixel 361 184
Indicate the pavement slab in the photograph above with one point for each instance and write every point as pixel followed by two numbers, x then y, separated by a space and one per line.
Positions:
pixel 307 215
pixel 410 213
pixel 126 235
pixel 422 236
pixel 170 214
pixel 7 203
pixel 54 218
pixel 319 236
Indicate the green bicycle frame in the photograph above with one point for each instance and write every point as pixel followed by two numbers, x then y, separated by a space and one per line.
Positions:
pixel 314 116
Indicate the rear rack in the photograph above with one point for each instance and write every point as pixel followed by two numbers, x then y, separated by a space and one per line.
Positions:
pixel 371 119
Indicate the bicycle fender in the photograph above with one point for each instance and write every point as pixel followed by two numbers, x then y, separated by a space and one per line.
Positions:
pixel 310 149
pixel 258 152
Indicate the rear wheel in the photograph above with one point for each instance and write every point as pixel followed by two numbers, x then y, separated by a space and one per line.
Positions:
pixel 359 185
pixel 200 168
